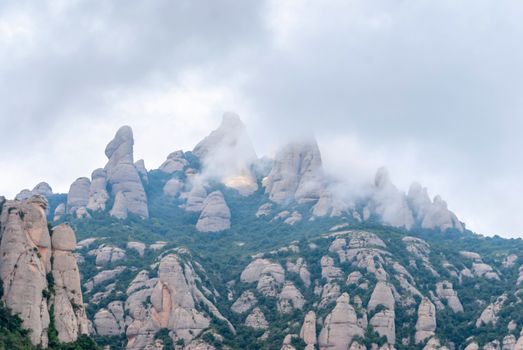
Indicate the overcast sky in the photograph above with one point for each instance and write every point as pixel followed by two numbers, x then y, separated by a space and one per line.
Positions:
pixel 432 89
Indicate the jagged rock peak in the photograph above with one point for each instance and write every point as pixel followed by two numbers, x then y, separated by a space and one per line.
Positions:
pixel 124 177
pixel 228 155
pixel 297 174
pixel 389 203
pixel 431 214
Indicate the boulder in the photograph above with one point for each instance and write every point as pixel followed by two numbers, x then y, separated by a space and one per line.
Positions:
pixel 215 215
pixel 123 177
pixel 490 313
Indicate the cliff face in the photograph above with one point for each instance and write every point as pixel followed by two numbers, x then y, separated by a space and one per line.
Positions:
pixel 29 260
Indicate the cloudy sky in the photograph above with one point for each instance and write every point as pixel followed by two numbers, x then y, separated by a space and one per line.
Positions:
pixel 432 89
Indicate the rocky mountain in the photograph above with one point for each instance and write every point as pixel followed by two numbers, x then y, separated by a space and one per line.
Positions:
pixel 218 249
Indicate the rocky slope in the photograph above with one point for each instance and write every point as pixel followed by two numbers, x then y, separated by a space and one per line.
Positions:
pixel 217 249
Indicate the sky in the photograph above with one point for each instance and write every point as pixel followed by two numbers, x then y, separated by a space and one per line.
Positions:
pixel 431 89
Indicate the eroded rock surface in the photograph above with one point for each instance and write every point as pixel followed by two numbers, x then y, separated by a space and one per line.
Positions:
pixel 215 215
pixel 123 177
pixel 27 256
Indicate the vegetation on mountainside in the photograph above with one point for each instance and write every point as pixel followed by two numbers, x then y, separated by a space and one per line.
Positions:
pixel 224 255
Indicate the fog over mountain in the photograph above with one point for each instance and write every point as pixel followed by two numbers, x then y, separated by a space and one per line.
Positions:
pixel 431 90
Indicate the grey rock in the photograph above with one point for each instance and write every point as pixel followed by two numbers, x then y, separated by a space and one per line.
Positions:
pixel 256 320
pixel 340 326
pixel 308 330
pixel 296 175
pixel 59 212
pixel 110 321
pixel 490 314
pixel 142 170
pixel 175 162
pixel 382 295
pixel 444 290
pixel 123 176
pixel 432 214
pixel 195 197
pixel 138 246
pixel 426 323
pixel 290 299
pixel 106 254
pixel 244 303
pixel 78 196
pixel 383 323
pixel 27 256
pixel 98 194
pixel 389 203
pixel 215 215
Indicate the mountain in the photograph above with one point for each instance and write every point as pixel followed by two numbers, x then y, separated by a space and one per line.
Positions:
pixel 219 249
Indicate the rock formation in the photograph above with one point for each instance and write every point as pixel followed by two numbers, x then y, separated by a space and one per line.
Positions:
pixel 256 320
pixel 175 162
pixel 382 295
pixel 244 303
pixel 296 175
pixel 383 324
pixel 389 203
pixel 78 196
pixel 228 155
pixel 142 170
pixel 98 195
pixel 340 326
pixel 426 324
pixel 308 331
pixel 290 298
pixel 445 291
pixel 432 214
pixel 215 215
pixel 42 189
pixel 171 301
pixel 28 256
pixel 123 177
